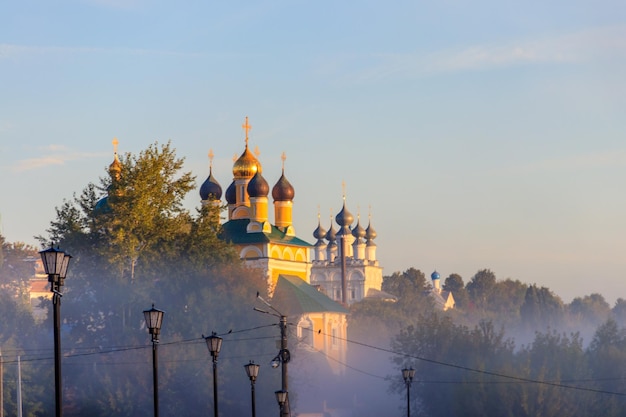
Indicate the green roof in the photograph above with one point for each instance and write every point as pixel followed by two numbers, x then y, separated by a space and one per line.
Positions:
pixel 235 231
pixel 293 296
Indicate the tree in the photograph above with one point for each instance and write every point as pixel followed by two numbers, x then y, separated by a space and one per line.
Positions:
pixel 607 361
pixel 589 310
pixel 554 358
pixel 541 308
pixel 18 262
pixel 619 311
pixel 146 248
pixel 481 287
pixel 443 354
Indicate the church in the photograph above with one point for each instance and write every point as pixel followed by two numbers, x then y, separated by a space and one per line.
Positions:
pixel 272 246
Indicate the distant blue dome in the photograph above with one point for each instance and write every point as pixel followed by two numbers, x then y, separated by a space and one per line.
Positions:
pixel 258 187
pixel 434 275
pixel 231 193
pixel 210 188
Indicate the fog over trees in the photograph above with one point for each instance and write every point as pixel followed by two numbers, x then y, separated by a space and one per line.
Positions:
pixel 507 349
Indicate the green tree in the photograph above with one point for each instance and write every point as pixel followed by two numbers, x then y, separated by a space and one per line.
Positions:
pixel 444 355
pixel 139 248
pixel 18 262
pixel 541 308
pixel 481 287
pixel 607 361
pixel 556 359
pixel 589 310
pixel 619 311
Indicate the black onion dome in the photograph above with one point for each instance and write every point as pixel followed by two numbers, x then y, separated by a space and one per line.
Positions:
pixel 258 187
pixel 283 190
pixel 344 217
pixel 231 193
pixel 331 236
pixel 370 233
pixel 210 188
pixel 320 232
pixel 358 232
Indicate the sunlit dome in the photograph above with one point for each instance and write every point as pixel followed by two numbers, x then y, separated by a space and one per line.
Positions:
pixel 246 166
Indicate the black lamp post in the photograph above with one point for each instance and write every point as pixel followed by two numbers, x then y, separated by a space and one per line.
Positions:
pixel 154 320
pixel 55 263
pixel 214 344
pixel 408 374
pixel 281 398
pixel 252 369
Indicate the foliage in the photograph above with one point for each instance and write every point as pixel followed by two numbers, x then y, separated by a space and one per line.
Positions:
pixel 145 248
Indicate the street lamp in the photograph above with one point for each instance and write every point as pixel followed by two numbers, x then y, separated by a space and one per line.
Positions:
pixel 214 344
pixel 252 369
pixel 55 263
pixel 154 320
pixel 281 398
pixel 408 375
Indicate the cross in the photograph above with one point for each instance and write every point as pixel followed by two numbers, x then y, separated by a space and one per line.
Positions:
pixel 283 158
pixel 246 126
pixel 211 155
pixel 115 143
pixel 343 190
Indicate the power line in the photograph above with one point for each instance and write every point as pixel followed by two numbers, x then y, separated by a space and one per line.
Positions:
pixel 480 371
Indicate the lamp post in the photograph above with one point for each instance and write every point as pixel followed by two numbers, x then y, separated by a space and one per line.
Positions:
pixel 214 344
pixel 252 369
pixel 55 263
pixel 408 374
pixel 282 398
pixel 154 320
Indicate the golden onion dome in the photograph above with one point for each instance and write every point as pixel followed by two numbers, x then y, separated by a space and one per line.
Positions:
pixel 115 169
pixel 246 166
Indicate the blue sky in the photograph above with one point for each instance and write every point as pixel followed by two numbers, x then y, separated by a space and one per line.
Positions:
pixel 482 134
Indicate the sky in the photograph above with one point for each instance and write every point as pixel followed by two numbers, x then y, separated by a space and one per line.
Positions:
pixel 474 134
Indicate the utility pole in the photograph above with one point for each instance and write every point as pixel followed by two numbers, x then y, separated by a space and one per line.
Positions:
pixel 283 357
pixel 1 385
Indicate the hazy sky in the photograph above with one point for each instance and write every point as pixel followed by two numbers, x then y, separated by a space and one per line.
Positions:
pixel 483 134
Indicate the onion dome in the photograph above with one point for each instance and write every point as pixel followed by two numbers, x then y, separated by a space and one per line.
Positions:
pixel 283 190
pixel 434 275
pixel 247 165
pixel 331 236
pixel 258 187
pixel 358 232
pixel 370 233
pixel 320 232
pixel 231 193
pixel 344 217
pixel 210 188
pixel 102 206
pixel 115 169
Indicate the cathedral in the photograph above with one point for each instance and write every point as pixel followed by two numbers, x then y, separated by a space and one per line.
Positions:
pixel 314 292
pixel 344 266
pixel 318 291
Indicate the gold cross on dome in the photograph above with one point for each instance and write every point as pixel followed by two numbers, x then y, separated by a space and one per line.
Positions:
pixel 246 126
pixel 343 190
pixel 115 142
pixel 211 155
pixel 283 158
